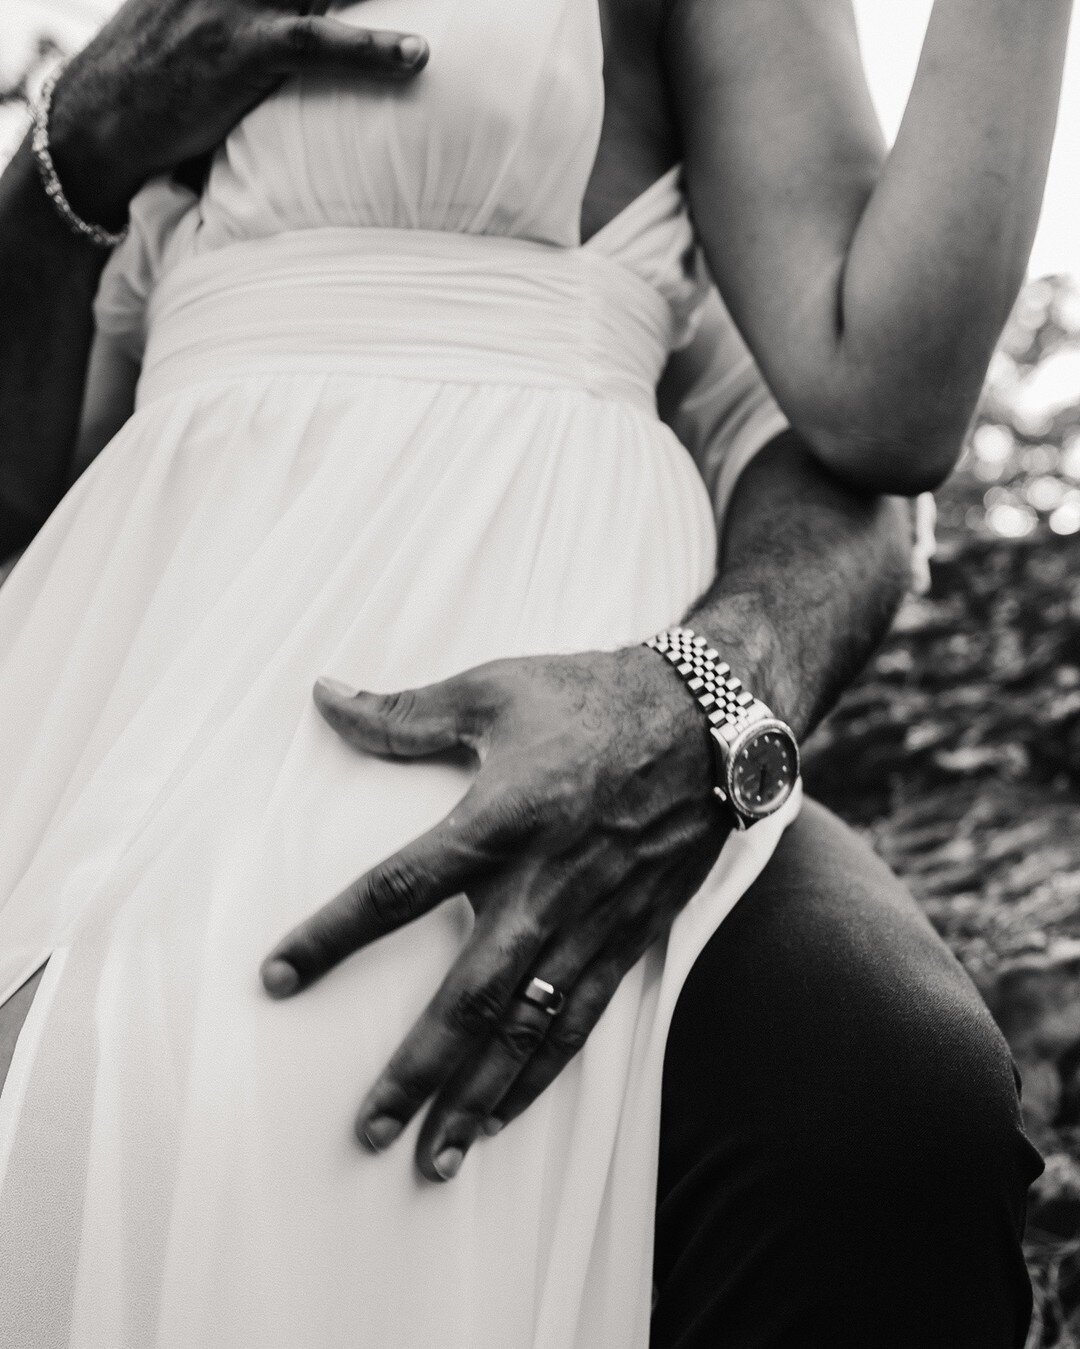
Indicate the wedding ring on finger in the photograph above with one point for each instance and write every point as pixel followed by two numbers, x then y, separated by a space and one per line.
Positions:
pixel 542 994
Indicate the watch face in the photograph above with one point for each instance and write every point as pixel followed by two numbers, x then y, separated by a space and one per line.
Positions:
pixel 764 772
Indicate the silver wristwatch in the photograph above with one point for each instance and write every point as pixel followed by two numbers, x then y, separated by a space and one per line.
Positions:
pixel 756 754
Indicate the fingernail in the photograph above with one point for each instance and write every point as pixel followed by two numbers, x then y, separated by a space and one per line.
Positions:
pixel 279 978
pixel 492 1126
pixel 380 1132
pixel 335 688
pixel 448 1162
pixel 410 50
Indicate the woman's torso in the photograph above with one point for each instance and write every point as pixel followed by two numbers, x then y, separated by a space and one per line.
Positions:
pixel 540 124
pixel 308 487
pixel 610 139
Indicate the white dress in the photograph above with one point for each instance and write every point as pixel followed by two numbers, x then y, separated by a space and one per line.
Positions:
pixel 393 421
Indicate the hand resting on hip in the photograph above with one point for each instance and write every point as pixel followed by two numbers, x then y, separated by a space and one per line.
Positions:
pixel 590 824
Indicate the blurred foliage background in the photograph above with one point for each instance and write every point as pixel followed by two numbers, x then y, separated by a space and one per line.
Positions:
pixel 958 752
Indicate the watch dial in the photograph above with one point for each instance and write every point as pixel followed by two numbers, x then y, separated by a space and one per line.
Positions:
pixel 764 773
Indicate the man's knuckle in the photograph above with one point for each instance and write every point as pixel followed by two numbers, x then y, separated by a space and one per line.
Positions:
pixel 301 37
pixel 397 708
pixel 475 1012
pixel 520 814
pixel 521 1038
pixel 569 1037
pixel 390 893
pixel 210 37
pixel 598 1002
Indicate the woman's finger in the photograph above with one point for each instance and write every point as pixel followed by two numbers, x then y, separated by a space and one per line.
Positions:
pixel 407 724
pixel 307 42
pixel 445 861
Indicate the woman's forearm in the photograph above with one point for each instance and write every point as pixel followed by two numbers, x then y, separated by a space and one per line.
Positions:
pixel 871 289
pixel 941 250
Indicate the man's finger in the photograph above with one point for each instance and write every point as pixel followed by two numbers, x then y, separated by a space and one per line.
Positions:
pixel 585 1004
pixel 307 42
pixel 467 1011
pixel 587 1000
pixel 441 863
pixel 408 725
pixel 449 1130
pixel 467 1104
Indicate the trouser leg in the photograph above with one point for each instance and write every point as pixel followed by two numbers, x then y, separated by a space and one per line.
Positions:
pixel 842 1161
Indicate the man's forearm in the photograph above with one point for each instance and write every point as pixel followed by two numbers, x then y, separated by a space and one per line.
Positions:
pixel 48 277
pixel 810 577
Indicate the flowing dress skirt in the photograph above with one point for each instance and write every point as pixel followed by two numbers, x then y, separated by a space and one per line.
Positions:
pixel 177 1166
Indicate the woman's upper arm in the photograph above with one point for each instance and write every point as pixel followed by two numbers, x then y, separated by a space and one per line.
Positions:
pixel 781 149
pixel 108 398
pixel 163 216
pixel 714 398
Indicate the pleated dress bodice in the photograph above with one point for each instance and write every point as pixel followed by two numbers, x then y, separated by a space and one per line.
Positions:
pixel 496 138
pixel 497 135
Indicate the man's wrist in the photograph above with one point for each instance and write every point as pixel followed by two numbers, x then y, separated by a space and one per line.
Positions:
pixel 96 167
pixel 755 754
pixel 739 630
pixel 659 692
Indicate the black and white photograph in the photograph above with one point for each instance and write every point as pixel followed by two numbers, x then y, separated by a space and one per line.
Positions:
pixel 539 674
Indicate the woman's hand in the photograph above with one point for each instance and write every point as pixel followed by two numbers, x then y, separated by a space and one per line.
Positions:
pixel 589 825
pixel 165 81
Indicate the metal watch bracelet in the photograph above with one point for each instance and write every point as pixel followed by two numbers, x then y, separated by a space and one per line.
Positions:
pixel 732 711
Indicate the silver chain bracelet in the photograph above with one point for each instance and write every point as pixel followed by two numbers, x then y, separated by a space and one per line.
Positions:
pixel 40 145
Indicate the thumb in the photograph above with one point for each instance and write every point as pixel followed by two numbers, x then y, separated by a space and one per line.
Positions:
pixel 406 725
pixel 307 42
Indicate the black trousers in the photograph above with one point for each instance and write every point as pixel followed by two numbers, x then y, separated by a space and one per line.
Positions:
pixel 842 1161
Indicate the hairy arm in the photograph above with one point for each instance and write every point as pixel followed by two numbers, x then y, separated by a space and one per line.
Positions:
pixel 811 570
pixel 591 819
pixel 810 576
pixel 871 290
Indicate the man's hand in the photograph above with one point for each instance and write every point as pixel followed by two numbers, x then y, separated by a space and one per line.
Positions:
pixel 165 81
pixel 589 825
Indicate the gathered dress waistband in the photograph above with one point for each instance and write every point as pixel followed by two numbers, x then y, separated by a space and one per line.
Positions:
pixel 411 304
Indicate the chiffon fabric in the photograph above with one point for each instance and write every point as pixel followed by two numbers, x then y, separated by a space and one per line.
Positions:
pixel 393 420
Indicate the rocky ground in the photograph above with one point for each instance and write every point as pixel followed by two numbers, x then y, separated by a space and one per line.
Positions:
pixel 958 753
